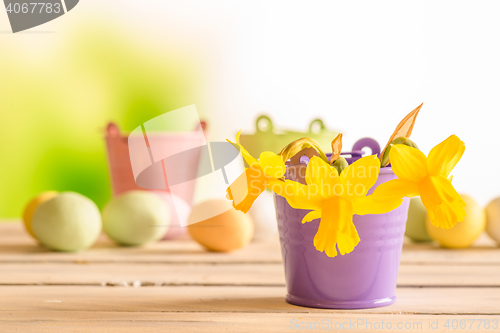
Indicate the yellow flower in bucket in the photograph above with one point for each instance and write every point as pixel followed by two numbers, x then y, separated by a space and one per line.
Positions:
pixel 335 191
pixel 335 199
pixel 268 171
pixel 331 197
pixel 427 177
pixel 260 173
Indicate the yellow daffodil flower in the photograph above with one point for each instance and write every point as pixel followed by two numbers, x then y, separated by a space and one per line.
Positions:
pixel 334 199
pixel 427 177
pixel 269 168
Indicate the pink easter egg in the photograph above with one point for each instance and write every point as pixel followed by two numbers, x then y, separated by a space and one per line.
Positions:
pixel 180 210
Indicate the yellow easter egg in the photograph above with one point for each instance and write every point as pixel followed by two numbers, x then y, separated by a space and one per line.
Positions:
pixel 225 232
pixel 464 233
pixel 32 206
pixel 493 219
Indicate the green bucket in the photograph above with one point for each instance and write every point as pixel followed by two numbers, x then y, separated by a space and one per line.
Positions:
pixel 267 138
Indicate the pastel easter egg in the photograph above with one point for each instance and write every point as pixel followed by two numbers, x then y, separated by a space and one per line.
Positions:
pixel 136 218
pixel 493 219
pixel 464 233
pixel 415 225
pixel 30 208
pixel 68 222
pixel 225 232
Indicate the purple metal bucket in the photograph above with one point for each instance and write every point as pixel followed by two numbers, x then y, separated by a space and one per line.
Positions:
pixel 364 278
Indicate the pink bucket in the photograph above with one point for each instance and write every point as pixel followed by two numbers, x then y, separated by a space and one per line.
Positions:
pixel 122 177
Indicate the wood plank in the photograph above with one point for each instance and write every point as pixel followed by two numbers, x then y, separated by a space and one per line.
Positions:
pixel 121 274
pixel 453 301
pixel 466 275
pixel 80 321
pixel 142 274
pixel 484 251
pixel 17 246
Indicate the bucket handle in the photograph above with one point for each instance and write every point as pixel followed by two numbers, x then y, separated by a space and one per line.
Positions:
pixel 264 124
pixel 317 126
pixel 367 143
pixel 112 130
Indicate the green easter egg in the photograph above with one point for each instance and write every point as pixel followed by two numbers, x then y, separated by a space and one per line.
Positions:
pixel 415 225
pixel 136 218
pixel 69 222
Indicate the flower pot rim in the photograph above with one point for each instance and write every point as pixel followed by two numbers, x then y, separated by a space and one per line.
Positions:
pixel 386 170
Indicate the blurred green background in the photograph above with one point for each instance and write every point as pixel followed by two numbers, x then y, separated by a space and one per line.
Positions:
pixel 57 100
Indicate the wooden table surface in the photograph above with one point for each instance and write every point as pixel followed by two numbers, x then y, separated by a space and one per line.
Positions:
pixel 176 286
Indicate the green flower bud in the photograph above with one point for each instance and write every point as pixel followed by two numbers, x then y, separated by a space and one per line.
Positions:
pixel 397 141
pixel 340 164
pixel 297 146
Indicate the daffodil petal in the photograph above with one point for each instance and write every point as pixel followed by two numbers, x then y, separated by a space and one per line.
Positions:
pixel 272 164
pixel 244 153
pixel 366 205
pixel 315 214
pixel 395 189
pixel 336 228
pixel 322 178
pixel 297 195
pixel 359 177
pixel 408 163
pixel 443 157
